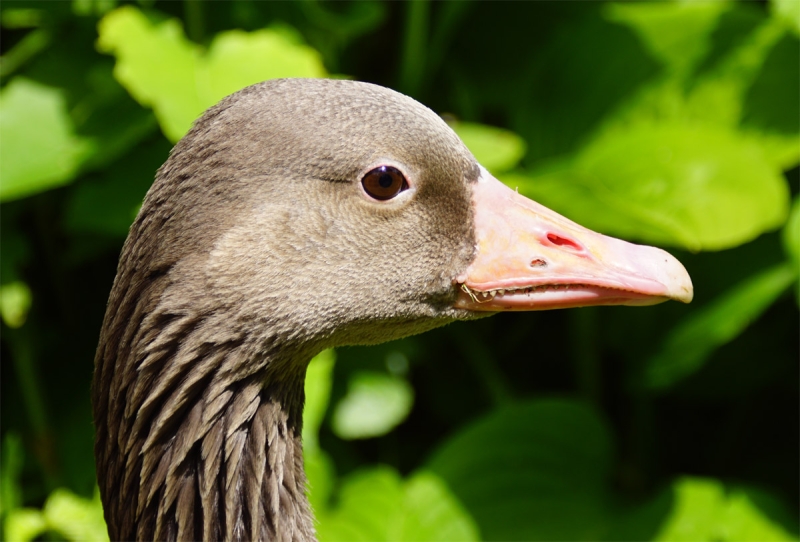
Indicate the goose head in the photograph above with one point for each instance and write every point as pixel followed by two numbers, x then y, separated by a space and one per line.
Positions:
pixel 298 215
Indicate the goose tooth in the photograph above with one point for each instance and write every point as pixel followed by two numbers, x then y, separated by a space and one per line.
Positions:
pixel 493 293
pixel 501 292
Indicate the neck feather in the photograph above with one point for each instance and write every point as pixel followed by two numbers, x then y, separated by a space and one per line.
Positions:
pixel 198 432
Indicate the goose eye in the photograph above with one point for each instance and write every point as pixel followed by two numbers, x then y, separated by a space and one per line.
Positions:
pixel 384 182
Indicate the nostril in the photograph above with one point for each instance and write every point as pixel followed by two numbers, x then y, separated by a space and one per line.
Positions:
pixel 538 262
pixel 563 242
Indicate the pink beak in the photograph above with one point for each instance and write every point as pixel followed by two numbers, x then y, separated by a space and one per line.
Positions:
pixel 530 258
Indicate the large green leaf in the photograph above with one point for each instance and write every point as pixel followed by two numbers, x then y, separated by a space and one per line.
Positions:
pixel 745 84
pixel 165 71
pixel 674 165
pixel 676 32
pixel 40 150
pixel 681 35
pixel 690 344
pixel 376 505
pixel 693 186
pixel 532 471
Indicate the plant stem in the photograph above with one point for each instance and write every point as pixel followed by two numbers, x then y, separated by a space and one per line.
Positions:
pixel 450 15
pixel 27 48
pixel 193 11
pixel 22 353
pixel 412 69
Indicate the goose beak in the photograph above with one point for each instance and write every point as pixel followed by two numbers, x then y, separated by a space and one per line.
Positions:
pixel 531 258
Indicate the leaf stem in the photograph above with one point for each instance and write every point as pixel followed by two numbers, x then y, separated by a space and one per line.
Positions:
pixel 412 69
pixel 195 27
pixel 22 355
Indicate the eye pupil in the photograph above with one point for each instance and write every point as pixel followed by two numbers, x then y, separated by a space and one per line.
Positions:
pixel 384 183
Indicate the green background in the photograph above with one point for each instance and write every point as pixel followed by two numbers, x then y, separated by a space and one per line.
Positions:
pixel 674 124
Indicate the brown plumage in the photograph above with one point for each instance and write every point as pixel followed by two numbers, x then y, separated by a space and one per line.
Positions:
pixel 255 249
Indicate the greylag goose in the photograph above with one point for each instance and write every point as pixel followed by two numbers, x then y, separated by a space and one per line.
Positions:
pixel 298 215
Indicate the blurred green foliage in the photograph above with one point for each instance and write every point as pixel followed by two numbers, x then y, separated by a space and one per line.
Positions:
pixel 672 123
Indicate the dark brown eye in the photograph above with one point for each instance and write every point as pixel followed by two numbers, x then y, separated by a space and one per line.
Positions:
pixel 384 182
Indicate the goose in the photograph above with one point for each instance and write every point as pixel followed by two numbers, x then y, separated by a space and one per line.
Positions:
pixel 298 215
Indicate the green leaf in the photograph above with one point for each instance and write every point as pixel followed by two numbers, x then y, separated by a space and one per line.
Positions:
pixel 748 515
pixel 15 302
pixel 368 502
pixel 24 524
pixel 319 468
pixel 76 518
pixel 743 84
pixel 319 379
pixel 496 149
pixel 531 471
pixel 677 33
pixel 697 510
pixel 703 512
pixel 375 403
pixel 689 345
pixel 321 476
pixel 163 70
pixel 555 92
pixel 693 186
pixel 40 149
pixel 789 12
pixel 238 59
pixel 156 64
pixel 431 512
pixel 376 505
